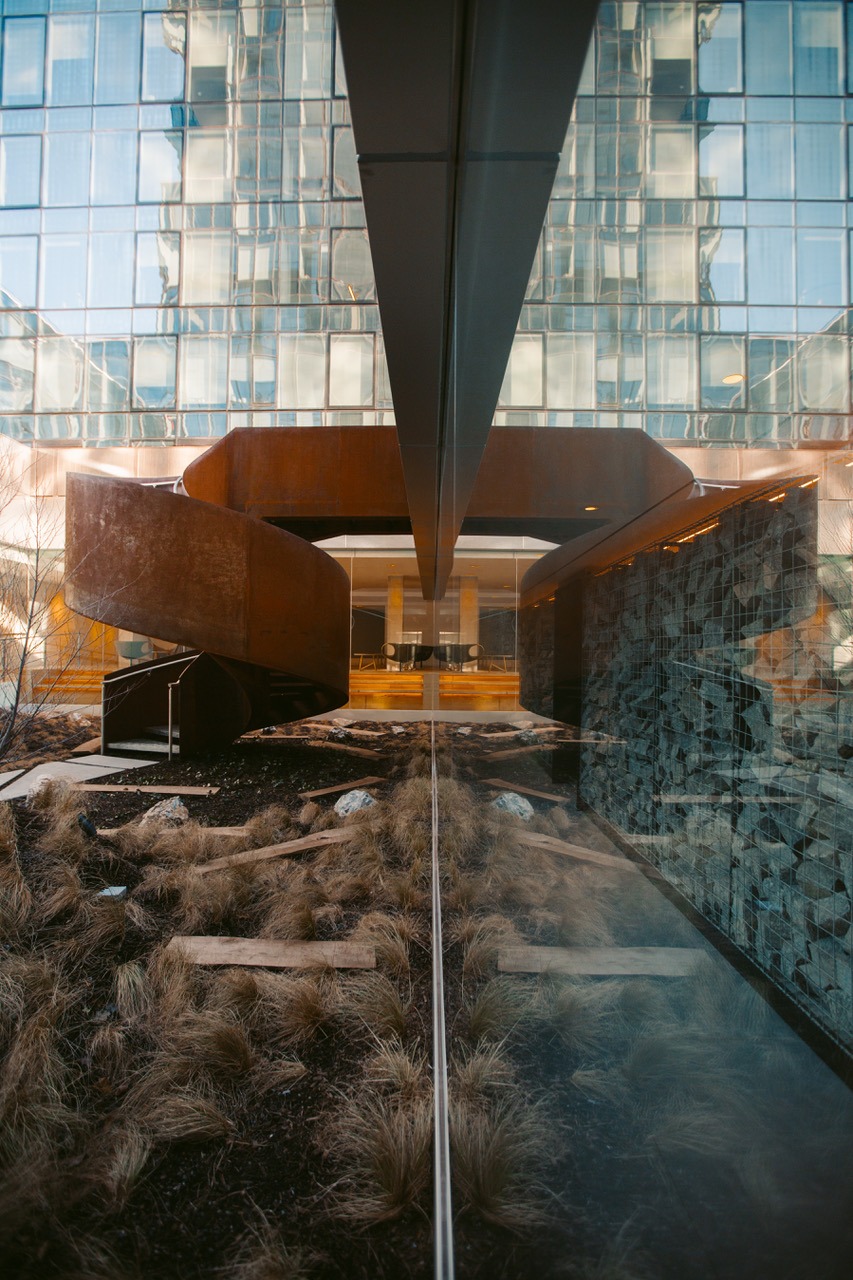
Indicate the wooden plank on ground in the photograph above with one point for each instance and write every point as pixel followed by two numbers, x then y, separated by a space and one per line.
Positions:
pixel 523 751
pixel 654 962
pixel 208 831
pixel 162 791
pixel 367 752
pixel 268 954
pixel 580 853
pixel 514 733
pixel 526 791
pixel 341 786
pixel 335 835
pixel 86 748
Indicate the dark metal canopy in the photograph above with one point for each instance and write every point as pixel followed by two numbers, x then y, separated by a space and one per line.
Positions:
pixel 459 111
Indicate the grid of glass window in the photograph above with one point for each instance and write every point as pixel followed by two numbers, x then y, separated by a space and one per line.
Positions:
pixel 182 240
pixel 183 249
pixel 693 274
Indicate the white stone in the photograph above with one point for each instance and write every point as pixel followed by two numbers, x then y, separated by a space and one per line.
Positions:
pixel 172 811
pixel 512 802
pixel 352 802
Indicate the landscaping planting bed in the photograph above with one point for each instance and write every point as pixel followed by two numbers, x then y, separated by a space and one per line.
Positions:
pixel 161 1119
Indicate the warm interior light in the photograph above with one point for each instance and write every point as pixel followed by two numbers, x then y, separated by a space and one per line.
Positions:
pixel 590 508
pixel 808 484
pixel 732 379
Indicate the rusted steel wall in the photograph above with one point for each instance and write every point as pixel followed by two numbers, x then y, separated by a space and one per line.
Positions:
pixel 162 564
pixel 356 471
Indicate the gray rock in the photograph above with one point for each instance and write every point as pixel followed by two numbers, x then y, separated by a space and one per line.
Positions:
pixel 353 802
pixel 512 802
pixel 172 812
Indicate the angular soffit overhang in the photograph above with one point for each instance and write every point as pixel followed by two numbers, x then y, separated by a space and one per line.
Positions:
pixel 459 111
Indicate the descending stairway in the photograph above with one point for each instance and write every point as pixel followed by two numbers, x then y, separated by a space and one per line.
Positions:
pixel 266 614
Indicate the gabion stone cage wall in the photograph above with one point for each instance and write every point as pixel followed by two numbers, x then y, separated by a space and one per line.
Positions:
pixel 710 664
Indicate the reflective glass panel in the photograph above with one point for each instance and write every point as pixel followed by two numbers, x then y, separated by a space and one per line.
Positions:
pixel 160 167
pixel 163 48
pixel 23 62
pixel 117 62
pixel 20 171
pixel 154 373
pixel 302 371
pixel 70 59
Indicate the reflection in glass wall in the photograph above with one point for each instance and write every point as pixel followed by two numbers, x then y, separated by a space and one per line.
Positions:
pixel 702 192
pixel 184 180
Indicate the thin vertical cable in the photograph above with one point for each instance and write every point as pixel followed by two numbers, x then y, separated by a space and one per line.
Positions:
pixel 443 1221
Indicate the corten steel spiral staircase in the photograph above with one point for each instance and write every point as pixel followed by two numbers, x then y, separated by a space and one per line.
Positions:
pixel 265 615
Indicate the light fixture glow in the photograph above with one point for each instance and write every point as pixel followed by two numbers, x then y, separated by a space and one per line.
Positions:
pixel 733 379
pixel 590 508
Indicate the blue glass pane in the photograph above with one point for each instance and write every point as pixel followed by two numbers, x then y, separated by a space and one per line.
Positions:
pixel 67 169
pixel 818 43
pixel 720 49
pixel 768 48
pixel 114 168
pixel 163 48
pixel 70 60
pixel 111 269
pixel 18 264
pixel 23 62
pixel 20 171
pixel 117 68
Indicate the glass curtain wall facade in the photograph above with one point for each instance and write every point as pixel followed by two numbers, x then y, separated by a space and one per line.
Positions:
pixel 693 276
pixel 182 242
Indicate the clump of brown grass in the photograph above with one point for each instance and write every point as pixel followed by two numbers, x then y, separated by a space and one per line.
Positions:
pixel 273 825
pixel 483 942
pixel 275 1073
pixel 604 1083
pixel 262 1255
pixel 207 902
pixel 184 1116
pixel 35 1090
pixel 390 935
pixel 117 1167
pixel 461 891
pixel 293 1008
pixel 288 904
pixel 175 983
pixel 390 1069
pixel 481 1074
pixel 60 892
pixel 16 902
pixel 233 991
pixel 385 1148
pixel 308 813
pixel 497 1158
pixel 189 845
pixel 131 990
pixel 498 1009
pixel 103 923
pixel 8 844
pixel 580 1013
pixel 60 805
pixel 459 821
pixel 212 1042
pixel 108 1048
pixel 374 1001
